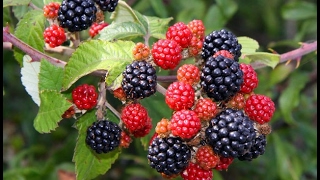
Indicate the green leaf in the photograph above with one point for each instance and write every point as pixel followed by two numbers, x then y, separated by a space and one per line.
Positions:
pixel 122 30
pixel 260 59
pixel 278 74
pixel 88 164
pixel 30 79
pixel 123 13
pixel 53 105
pixel 249 45
pixel 50 76
pixel 97 55
pixel 289 98
pixel 299 11
pixel 159 8
pixel 157 27
pixel 30 30
pixel 15 2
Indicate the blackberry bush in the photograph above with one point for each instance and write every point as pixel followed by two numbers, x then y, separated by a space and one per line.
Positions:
pixel 201 114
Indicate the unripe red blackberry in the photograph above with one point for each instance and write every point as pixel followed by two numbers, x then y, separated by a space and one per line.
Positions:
pixel 258 148
pixel 231 133
pixel 50 10
pixel 195 46
pixel 224 163
pixel 185 124
pixel 221 78
pixel 224 53
pixel 221 40
pixel 169 156
pixel 142 132
pixel 237 101
pixel 140 51
pixel 197 28
pixel 179 95
pixel 195 172
pixel 134 116
pixel 125 140
pixel 250 78
pixel 85 96
pixel 54 35
pixel 162 127
pixel 69 113
pixel 95 28
pixel 107 5
pixel 205 109
pixel 139 80
pixel 77 15
pixel 180 33
pixel 166 53
pixel 206 157
pixel 188 73
pixel 103 136
pixel 259 108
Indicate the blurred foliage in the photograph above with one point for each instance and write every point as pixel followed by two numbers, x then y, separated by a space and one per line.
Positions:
pixel 280 25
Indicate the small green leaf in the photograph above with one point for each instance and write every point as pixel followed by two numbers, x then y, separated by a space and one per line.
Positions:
pixel 123 13
pixel 88 164
pixel 30 79
pixel 15 2
pixel 259 59
pixel 97 55
pixel 289 98
pixel 121 30
pixel 53 105
pixel 50 76
pixel 159 8
pixel 249 45
pixel 299 11
pixel 278 74
pixel 30 30
pixel 158 26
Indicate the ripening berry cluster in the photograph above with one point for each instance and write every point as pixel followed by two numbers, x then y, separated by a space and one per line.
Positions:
pixel 75 16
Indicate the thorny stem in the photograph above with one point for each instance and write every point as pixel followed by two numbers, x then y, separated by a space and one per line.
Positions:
pixel 101 108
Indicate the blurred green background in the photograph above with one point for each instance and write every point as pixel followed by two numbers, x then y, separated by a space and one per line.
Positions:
pixel 280 25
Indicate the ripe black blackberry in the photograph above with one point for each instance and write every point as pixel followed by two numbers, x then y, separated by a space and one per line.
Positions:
pixel 258 148
pixel 231 133
pixel 169 156
pixel 139 80
pixel 107 5
pixel 103 136
pixel 77 15
pixel 221 77
pixel 221 40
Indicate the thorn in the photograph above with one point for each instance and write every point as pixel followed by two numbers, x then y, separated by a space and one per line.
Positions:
pixel 298 62
pixel 288 62
pixel 273 51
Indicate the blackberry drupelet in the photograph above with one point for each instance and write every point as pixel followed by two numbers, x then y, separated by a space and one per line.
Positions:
pixel 77 15
pixel 231 133
pixel 258 148
pixel 139 80
pixel 103 136
pixel 107 5
pixel 221 77
pixel 169 156
pixel 221 40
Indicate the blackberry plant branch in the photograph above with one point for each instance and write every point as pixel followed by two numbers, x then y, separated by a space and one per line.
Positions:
pixel 101 108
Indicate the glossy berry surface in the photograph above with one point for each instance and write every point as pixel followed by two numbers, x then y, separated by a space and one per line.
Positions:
pixel 168 156
pixel 180 33
pixel 54 35
pixel 139 80
pixel 188 73
pixel 206 158
pixel 166 53
pixel 134 116
pixel 250 78
pixel 205 109
pixel 77 15
pixel 197 28
pixel 195 172
pixel 85 96
pixel 259 108
pixel 50 10
pixel 231 133
pixel 185 124
pixel 107 5
pixel 95 28
pixel 103 136
pixel 221 40
pixel 179 96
